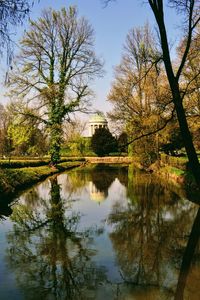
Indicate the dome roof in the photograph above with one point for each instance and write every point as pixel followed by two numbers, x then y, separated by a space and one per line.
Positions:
pixel 98 118
pixel 97 196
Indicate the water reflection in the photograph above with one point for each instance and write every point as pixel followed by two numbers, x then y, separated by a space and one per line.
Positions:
pixel 150 234
pixel 5 209
pixel 47 253
pixel 101 179
pixel 140 247
pixel 187 260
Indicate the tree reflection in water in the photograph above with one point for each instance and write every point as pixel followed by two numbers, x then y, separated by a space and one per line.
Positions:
pixel 50 258
pixel 187 260
pixel 5 209
pixel 100 178
pixel 149 236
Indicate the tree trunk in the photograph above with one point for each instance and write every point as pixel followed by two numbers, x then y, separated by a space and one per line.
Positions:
pixel 187 138
pixel 55 143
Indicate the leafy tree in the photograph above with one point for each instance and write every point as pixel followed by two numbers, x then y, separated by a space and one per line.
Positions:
pixel 174 142
pixel 191 79
pixel 61 257
pixel 102 142
pixel 19 135
pixel 53 70
pixel 27 136
pixel 27 139
pixel 5 141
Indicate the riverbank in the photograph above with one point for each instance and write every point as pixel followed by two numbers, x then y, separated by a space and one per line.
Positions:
pixel 12 180
pixel 109 159
pixel 174 169
pixel 16 177
pixel 169 168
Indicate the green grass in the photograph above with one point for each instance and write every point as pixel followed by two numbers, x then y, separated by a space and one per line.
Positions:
pixel 176 171
pixel 13 179
pixel 174 161
pixel 22 163
pixel 185 174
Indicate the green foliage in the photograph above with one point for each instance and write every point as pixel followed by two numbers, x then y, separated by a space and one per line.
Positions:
pixel 176 162
pixel 25 136
pixel 176 171
pixel 78 146
pixel 55 142
pixel 102 142
pixel 5 141
pixel 147 158
pixel 175 142
pixel 19 134
pixel 122 142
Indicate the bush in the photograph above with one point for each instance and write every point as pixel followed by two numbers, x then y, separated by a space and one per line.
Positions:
pixel 102 142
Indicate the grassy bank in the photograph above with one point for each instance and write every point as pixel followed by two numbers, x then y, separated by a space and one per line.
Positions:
pixel 23 162
pixel 21 173
pixel 174 169
pixel 16 179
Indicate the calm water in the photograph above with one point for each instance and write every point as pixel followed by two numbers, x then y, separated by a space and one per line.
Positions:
pixel 100 233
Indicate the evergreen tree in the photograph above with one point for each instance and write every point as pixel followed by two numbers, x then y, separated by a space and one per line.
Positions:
pixel 103 142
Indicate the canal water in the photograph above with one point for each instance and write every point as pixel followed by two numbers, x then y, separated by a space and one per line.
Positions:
pixel 102 233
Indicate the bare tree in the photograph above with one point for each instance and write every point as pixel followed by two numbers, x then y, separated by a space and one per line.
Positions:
pixel 52 73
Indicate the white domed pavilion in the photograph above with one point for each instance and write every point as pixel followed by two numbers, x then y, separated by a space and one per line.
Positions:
pixel 97 121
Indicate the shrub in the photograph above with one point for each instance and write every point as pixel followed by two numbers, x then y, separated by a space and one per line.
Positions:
pixel 102 142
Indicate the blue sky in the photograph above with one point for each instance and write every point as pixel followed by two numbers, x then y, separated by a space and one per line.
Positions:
pixel 111 25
